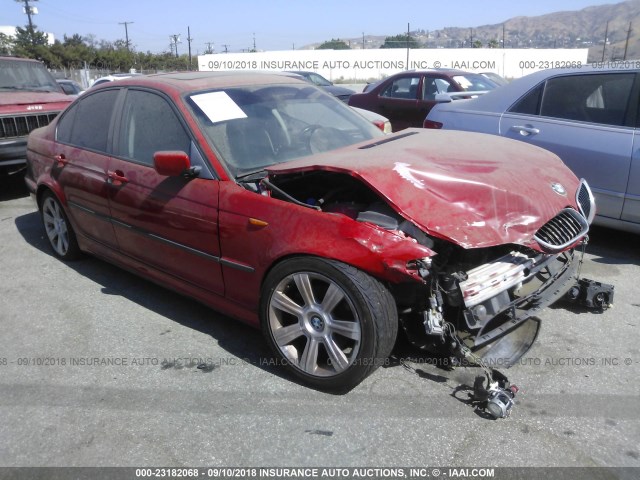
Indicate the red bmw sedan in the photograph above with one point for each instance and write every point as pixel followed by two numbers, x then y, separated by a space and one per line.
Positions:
pixel 271 201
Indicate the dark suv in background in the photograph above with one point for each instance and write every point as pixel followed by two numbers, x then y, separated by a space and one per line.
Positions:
pixel 29 98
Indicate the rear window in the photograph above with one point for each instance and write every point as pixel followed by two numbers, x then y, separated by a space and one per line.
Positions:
pixel 594 98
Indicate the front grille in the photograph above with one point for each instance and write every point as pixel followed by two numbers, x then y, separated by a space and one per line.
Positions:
pixel 22 125
pixel 585 200
pixel 562 230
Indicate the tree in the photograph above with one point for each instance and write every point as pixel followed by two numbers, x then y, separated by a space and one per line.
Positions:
pixel 493 43
pixel 6 44
pixel 400 41
pixel 334 44
pixel 476 44
pixel 31 43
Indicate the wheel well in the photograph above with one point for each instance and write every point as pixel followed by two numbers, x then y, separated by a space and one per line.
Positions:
pixel 385 283
pixel 42 189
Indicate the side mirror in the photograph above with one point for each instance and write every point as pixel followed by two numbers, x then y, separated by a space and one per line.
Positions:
pixel 443 98
pixel 171 163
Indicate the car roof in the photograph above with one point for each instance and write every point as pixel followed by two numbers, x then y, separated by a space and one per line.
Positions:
pixel 194 81
pixel 445 71
pixel 500 99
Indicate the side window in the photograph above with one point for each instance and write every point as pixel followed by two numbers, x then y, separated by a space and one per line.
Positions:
pixel 597 98
pixel 86 125
pixel 431 86
pixel 530 103
pixel 406 87
pixel 149 125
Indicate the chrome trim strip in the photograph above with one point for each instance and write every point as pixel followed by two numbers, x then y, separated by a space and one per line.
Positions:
pixel 584 188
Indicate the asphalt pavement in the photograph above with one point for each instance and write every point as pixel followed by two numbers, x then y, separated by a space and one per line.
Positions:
pixel 99 367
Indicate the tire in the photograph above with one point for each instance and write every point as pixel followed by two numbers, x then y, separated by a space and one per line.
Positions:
pixel 328 323
pixel 59 231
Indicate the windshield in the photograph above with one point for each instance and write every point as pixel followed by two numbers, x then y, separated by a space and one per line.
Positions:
pixel 257 126
pixel 474 82
pixel 30 76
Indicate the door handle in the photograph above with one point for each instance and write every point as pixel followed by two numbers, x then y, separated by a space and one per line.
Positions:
pixel 116 178
pixel 61 160
pixel 525 130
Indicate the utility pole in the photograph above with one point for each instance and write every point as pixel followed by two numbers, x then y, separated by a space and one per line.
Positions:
pixel 408 30
pixel 226 48
pixel 175 39
pixel 254 42
pixel 209 49
pixel 503 26
pixel 189 41
pixel 363 40
pixel 126 32
pixel 471 38
pixel 604 46
pixel 626 45
pixel 29 10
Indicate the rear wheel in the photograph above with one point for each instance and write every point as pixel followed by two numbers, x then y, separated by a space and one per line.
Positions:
pixel 61 236
pixel 330 324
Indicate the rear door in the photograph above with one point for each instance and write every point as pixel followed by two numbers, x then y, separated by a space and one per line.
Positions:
pixel 168 223
pixel 398 101
pixel 587 121
pixel 82 148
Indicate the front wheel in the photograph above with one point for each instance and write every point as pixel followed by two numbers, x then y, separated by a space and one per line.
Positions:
pixel 330 324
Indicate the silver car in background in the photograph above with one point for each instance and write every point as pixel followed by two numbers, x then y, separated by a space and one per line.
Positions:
pixel 588 117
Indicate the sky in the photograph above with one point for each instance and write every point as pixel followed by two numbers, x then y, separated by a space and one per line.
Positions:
pixel 275 24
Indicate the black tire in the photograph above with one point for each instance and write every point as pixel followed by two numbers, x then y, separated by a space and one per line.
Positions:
pixel 58 229
pixel 326 352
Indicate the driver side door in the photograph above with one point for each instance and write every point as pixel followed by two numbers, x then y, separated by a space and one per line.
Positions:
pixel 169 224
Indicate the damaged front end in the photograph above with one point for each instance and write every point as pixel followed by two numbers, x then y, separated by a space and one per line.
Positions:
pixel 481 299
pixel 492 306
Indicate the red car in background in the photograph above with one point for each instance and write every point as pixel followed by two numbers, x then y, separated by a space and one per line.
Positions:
pixel 277 204
pixel 405 98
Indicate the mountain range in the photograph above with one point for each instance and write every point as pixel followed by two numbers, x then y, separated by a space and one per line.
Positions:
pixel 584 28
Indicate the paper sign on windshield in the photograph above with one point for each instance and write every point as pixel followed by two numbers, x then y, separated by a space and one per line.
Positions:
pixel 218 106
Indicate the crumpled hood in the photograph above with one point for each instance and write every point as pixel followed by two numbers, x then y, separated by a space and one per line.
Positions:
pixel 474 189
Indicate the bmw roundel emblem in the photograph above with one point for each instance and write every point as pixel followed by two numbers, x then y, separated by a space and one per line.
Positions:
pixel 559 189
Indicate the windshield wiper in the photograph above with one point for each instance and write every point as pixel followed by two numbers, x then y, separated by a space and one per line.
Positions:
pixel 252 176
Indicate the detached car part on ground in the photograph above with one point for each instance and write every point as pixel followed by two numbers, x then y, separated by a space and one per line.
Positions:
pixel 275 203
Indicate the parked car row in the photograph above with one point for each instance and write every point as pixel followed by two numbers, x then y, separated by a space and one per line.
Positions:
pixel 269 200
pixel 405 98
